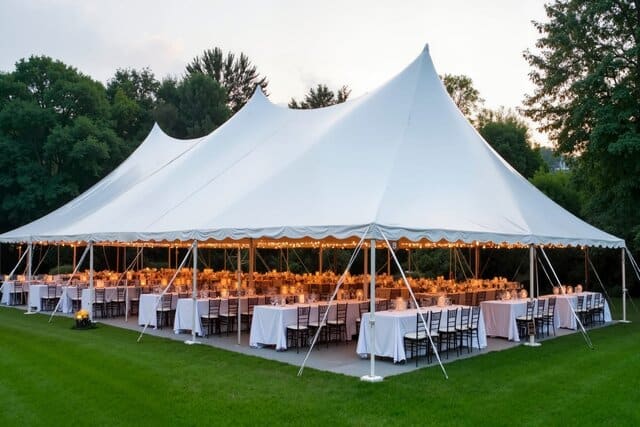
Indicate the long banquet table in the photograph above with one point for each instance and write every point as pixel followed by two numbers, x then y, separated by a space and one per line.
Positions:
pixel 8 288
pixel 564 303
pixel 184 311
pixel 147 308
pixel 269 324
pixel 500 317
pixel 391 327
pixel 39 291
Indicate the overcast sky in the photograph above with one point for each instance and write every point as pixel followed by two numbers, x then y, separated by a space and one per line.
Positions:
pixel 296 44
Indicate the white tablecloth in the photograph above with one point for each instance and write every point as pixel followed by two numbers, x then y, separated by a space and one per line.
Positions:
pixel 500 317
pixel 37 292
pixel 269 324
pixel 68 292
pixel 8 288
pixel 566 318
pixel 184 311
pixel 184 314
pixel 147 309
pixel 110 294
pixel 391 327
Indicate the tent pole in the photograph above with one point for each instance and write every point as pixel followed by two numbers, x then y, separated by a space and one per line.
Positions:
pixel 476 273
pixel 239 274
pixel 169 256
pixel 532 257
pixel 91 295
pixel 287 260
pixel 224 266
pixel 142 258
pixel 252 266
pixel 194 293
pixel 372 377
pixel 320 260
pixel 74 256
pixel 388 262
pixel 586 268
pixel 624 289
pixel 29 272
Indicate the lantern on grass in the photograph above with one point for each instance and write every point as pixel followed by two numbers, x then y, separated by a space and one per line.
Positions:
pixel 82 319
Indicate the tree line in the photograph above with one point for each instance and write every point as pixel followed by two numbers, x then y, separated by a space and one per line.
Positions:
pixel 61 131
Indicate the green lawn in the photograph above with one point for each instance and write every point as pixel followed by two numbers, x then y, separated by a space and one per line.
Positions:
pixel 53 375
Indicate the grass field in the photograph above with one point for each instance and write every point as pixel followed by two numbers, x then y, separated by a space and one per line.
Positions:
pixel 53 375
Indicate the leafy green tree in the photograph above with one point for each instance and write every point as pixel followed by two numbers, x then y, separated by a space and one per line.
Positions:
pixel 237 75
pixel 509 136
pixel 321 96
pixel 586 71
pixel 191 108
pixel 55 138
pixel 463 93
pixel 132 95
pixel 560 188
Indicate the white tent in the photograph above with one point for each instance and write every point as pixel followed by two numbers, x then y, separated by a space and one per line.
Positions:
pixel 401 161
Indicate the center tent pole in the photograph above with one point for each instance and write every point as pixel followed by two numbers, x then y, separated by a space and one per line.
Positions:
pixel 532 258
pixel 29 272
pixel 624 289
pixel 239 274
pixel 91 296
pixel 372 377
pixel 194 293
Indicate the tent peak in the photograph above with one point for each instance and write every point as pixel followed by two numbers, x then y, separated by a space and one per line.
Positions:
pixel 426 48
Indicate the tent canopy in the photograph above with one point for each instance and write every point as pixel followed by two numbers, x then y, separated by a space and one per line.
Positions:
pixel 401 161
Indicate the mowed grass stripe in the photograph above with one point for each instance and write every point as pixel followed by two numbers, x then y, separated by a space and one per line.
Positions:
pixel 53 375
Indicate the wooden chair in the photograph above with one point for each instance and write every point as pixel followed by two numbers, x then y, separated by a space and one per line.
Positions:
pixel 298 333
pixel 17 296
pixel 468 299
pixel 247 315
pixel 117 306
pixel 76 298
pixel 50 301
pixel 99 303
pixel 526 323
pixel 164 311
pixel 418 340
pixel 134 300
pixel 338 326
pixel 581 311
pixel 538 317
pixel 314 325
pixel 597 311
pixel 482 296
pixel 448 334
pixel 549 316
pixel 462 326
pixel 472 331
pixel 210 320
pixel 363 307
pixel 228 318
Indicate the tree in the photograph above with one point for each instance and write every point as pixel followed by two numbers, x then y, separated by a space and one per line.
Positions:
pixel 237 75
pixel 132 95
pixel 586 71
pixel 55 138
pixel 191 108
pixel 509 136
pixel 320 97
pixel 560 188
pixel 466 97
